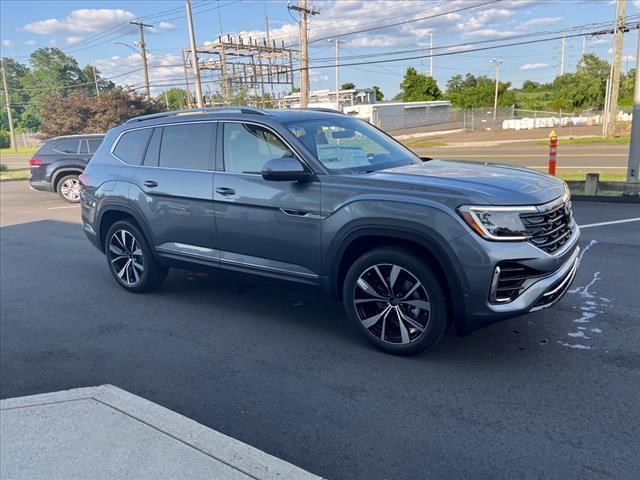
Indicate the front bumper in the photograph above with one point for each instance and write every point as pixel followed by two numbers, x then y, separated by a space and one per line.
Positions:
pixel 478 259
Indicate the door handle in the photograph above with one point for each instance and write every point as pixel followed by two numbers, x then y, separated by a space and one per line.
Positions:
pixel 225 191
pixel 150 184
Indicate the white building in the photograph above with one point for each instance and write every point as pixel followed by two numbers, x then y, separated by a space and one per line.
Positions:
pixel 400 115
pixel 327 98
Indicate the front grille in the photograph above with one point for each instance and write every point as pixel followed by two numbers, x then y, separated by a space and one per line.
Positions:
pixel 549 230
pixel 511 280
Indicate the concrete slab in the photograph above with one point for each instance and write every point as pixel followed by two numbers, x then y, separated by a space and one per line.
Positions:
pixel 106 433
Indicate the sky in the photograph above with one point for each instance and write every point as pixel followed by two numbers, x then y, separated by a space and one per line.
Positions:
pixel 90 31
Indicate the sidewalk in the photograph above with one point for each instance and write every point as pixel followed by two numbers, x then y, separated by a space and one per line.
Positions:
pixel 106 433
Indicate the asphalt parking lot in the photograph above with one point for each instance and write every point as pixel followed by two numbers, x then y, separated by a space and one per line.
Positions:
pixel 555 394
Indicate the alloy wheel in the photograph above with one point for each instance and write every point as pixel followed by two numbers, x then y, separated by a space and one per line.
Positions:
pixel 70 189
pixel 126 257
pixel 392 304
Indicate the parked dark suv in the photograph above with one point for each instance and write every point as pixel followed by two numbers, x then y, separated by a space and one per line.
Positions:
pixel 56 165
pixel 409 246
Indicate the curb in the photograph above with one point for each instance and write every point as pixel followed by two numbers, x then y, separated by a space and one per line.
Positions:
pixel 223 453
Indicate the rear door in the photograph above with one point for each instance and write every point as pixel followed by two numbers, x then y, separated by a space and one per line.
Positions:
pixel 175 189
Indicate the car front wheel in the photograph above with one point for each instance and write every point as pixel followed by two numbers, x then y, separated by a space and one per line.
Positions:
pixel 130 260
pixel 396 301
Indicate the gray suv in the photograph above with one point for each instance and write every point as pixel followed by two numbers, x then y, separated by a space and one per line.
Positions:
pixel 410 245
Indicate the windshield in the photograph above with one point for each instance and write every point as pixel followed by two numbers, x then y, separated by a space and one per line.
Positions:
pixel 348 145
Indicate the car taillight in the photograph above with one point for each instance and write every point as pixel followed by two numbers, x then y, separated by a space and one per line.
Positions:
pixel 84 179
pixel 35 162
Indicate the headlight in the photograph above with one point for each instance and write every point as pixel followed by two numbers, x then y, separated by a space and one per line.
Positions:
pixel 496 223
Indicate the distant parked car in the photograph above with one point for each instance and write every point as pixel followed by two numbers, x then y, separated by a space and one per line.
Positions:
pixel 56 165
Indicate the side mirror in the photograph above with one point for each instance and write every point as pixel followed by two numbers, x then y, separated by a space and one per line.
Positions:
pixel 286 169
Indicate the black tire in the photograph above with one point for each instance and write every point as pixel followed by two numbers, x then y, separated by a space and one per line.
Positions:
pixel 130 259
pixel 68 188
pixel 417 313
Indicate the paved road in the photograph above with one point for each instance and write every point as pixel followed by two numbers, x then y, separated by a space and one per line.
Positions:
pixel 593 157
pixel 280 368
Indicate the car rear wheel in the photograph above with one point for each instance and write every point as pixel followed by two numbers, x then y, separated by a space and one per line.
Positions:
pixel 69 188
pixel 130 260
pixel 396 301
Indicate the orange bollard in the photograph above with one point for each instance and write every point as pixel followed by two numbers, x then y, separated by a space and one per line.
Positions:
pixel 553 150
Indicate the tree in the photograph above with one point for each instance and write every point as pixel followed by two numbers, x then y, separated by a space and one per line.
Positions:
pixel 573 91
pixel 417 87
pixel 347 86
pixel 176 97
pixel 379 94
pixel 82 113
pixel 530 86
pixel 18 97
pixel 476 92
pixel 593 66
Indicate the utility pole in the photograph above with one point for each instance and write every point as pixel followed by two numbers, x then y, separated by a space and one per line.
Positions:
pixel 562 55
pixel 14 145
pixel 614 85
pixel 304 50
pixel 633 170
pixel 337 41
pixel 431 55
pixel 495 100
pixel 95 78
pixel 164 87
pixel 143 53
pixel 194 57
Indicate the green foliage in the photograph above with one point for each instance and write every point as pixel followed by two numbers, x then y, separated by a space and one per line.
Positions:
pixel 379 94
pixel 417 87
pixel 348 86
pixel 475 92
pixel 5 139
pixel 176 97
pixel 529 86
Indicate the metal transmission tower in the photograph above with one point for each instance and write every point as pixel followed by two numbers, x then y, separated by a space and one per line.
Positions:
pixel 143 53
pixel 304 49
pixel 245 64
pixel 614 83
pixel 495 99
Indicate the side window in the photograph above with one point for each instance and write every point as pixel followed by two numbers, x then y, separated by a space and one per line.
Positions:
pixel 187 146
pixel 66 146
pixel 153 150
pixel 248 147
pixel 131 146
pixel 84 149
pixel 94 143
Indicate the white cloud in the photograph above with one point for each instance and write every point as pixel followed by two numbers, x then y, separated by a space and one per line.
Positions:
pixel 628 58
pixel 167 26
pixel 84 20
pixel 316 77
pixel 488 33
pixel 486 17
pixel 72 39
pixel 7 43
pixel 599 41
pixel 538 22
pixel 533 66
pixel 29 43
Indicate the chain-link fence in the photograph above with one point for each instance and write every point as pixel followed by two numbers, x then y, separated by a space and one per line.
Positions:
pixel 28 139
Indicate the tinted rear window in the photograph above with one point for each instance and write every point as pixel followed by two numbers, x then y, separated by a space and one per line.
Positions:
pixel 66 146
pixel 131 146
pixel 187 146
pixel 94 143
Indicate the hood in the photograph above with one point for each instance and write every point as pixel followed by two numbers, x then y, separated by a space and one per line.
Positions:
pixel 495 184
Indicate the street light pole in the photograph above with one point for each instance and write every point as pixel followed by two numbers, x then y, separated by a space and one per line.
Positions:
pixel 495 100
pixel 337 41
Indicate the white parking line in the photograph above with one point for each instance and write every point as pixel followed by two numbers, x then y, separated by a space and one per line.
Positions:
pixel 628 220
pixel 59 208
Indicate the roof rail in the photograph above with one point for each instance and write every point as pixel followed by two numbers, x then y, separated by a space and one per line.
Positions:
pixel 192 111
pixel 323 109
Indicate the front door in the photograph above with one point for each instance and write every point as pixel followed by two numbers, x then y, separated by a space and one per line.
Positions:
pixel 269 226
